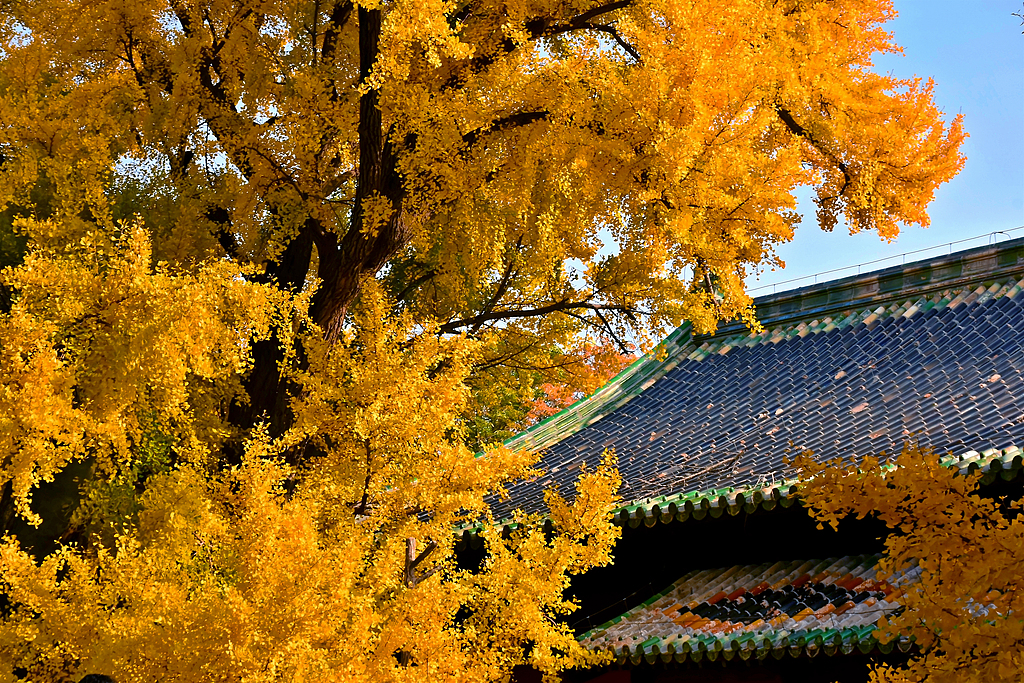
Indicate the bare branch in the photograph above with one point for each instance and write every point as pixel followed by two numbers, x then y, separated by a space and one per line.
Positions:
pixel 502 284
pixel 560 306
pixel 517 120
pixel 504 358
pixel 611 332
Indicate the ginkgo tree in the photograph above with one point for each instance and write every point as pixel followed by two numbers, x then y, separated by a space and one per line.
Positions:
pixel 963 609
pixel 278 267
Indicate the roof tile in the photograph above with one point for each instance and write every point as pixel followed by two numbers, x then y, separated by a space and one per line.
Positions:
pixel 803 606
pixel 727 421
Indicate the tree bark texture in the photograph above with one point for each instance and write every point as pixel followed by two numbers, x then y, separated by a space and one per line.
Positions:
pixel 344 262
pixel 362 252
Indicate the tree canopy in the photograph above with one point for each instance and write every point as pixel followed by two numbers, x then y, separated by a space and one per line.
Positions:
pixel 963 610
pixel 276 269
pixel 474 156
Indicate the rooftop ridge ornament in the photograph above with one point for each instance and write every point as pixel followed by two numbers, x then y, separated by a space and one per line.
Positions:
pixel 992 239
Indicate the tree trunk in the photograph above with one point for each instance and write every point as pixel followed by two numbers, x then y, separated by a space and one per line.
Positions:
pixel 267 400
pixel 363 253
pixel 344 263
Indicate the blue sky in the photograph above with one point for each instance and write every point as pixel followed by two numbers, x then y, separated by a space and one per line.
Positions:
pixel 974 51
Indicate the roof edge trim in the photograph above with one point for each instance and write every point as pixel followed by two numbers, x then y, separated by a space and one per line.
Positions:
pixel 904 281
pixel 1007 463
pixel 808 643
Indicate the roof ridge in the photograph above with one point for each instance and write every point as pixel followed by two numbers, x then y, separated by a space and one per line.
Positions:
pixel 959 269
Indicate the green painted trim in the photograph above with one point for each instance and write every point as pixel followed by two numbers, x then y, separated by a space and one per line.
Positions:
pixel 1007 464
pixel 629 383
pixel 695 647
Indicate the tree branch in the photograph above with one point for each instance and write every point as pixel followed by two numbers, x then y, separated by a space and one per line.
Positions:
pixel 502 284
pixel 602 9
pixel 221 217
pixel 537 27
pixel 415 284
pixel 340 14
pixel 363 506
pixel 611 333
pixel 431 547
pixel 360 253
pixel 219 111
pixel 604 28
pixel 461 15
pixel 412 561
pixel 796 129
pixel 331 186
pixel 516 120
pixel 622 42
pixel 502 360
pixel 560 306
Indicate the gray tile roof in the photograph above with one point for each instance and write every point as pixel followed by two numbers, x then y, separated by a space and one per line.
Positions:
pixel 930 351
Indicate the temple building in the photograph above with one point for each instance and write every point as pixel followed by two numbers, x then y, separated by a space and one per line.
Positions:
pixel 721 574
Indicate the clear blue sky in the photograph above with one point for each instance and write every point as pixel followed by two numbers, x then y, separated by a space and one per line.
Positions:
pixel 974 51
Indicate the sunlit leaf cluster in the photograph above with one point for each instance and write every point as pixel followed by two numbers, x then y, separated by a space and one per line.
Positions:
pixel 278 274
pixel 291 562
pixel 964 611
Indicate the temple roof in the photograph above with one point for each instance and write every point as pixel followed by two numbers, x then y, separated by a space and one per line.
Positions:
pixel 929 351
pixel 810 606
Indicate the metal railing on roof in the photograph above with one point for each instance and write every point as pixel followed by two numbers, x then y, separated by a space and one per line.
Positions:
pixel 993 238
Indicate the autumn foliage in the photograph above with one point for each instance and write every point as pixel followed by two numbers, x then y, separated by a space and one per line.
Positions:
pixel 279 274
pixel 964 611
pixel 191 567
